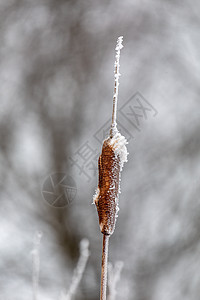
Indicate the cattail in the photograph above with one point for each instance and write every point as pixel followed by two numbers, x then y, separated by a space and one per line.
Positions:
pixel 110 164
pixel 114 154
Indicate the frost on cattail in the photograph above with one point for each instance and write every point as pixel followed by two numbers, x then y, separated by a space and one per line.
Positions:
pixel 118 48
pixel 110 164
pixel 111 161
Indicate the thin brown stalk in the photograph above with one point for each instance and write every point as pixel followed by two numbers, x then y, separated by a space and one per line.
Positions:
pixel 104 267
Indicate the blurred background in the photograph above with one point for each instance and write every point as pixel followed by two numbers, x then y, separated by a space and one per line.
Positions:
pixel 56 74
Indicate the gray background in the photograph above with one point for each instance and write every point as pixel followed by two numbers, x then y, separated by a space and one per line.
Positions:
pixel 56 90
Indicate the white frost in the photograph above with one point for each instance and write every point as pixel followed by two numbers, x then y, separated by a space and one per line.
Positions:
pixel 96 196
pixel 119 143
pixel 118 48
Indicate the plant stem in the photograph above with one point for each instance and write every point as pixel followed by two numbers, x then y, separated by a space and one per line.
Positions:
pixel 104 267
pixel 119 46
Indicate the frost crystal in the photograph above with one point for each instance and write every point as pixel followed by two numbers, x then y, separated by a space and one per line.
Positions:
pixel 119 143
pixel 118 48
pixel 96 196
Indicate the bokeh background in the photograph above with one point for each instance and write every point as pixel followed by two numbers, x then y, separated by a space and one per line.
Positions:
pixel 56 74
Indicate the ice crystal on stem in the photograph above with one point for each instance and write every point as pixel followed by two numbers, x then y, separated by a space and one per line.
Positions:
pixel 118 48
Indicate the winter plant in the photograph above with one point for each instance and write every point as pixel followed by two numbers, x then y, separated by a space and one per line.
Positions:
pixel 110 164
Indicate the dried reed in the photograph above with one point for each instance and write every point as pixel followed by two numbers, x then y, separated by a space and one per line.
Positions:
pixel 110 164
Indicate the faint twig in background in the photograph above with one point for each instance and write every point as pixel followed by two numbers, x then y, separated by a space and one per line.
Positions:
pixel 114 154
pixel 36 263
pixel 114 273
pixel 78 272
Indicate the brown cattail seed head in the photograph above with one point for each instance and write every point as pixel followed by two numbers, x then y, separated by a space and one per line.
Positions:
pixel 111 160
